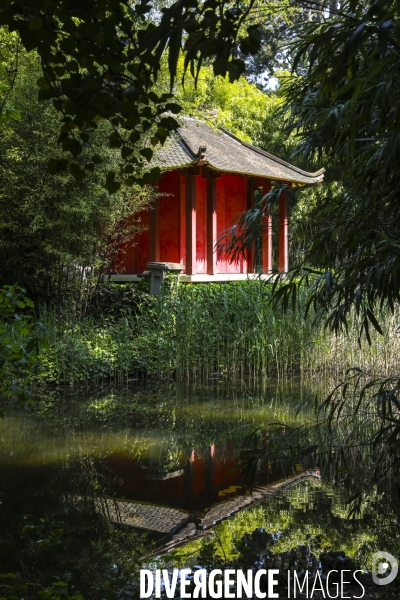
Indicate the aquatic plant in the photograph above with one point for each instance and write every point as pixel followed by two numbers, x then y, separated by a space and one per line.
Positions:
pixel 203 333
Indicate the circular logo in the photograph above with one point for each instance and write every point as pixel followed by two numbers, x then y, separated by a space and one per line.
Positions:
pixel 381 568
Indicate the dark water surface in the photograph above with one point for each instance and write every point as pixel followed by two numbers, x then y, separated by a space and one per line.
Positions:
pixel 178 447
pixel 170 446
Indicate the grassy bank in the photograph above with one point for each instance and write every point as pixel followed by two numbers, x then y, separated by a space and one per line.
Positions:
pixel 201 332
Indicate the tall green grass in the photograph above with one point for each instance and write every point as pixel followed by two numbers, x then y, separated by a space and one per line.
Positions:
pixel 204 332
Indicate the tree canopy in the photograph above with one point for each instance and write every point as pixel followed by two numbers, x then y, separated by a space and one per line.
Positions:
pixel 56 233
pixel 100 60
pixel 239 106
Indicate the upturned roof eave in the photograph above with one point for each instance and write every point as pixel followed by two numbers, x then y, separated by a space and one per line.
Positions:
pixel 279 161
pixel 315 177
pixel 186 155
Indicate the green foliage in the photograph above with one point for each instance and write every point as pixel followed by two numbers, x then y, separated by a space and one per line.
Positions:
pixel 198 332
pixel 239 107
pixel 102 63
pixel 10 47
pixel 21 341
pixel 102 76
pixel 56 234
pixel 346 105
pixel 93 72
pixel 278 24
pixel 309 514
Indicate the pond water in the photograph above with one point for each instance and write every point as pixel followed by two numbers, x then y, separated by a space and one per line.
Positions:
pixel 170 446
pixel 178 447
pixel 306 527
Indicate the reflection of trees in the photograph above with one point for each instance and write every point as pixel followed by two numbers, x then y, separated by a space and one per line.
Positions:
pixel 346 445
pixel 134 421
pixel 55 519
pixel 310 513
pixel 162 461
pixel 172 421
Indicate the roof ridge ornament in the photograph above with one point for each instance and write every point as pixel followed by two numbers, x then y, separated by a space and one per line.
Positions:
pixel 202 155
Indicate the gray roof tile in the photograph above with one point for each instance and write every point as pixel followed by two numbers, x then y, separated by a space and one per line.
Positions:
pixel 225 152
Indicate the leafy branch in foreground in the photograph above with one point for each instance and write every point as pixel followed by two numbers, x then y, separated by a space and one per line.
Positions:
pixel 345 106
pixel 100 60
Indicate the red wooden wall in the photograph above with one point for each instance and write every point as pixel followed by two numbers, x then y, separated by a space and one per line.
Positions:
pixel 169 216
pixel 231 199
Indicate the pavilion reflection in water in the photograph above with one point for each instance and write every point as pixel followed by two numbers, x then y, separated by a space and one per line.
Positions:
pixel 207 476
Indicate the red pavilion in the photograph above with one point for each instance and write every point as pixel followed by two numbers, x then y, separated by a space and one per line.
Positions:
pixel 208 177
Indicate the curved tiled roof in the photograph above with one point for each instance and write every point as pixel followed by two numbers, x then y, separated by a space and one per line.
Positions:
pixel 225 152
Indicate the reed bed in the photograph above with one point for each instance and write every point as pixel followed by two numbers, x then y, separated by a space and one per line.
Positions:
pixel 206 332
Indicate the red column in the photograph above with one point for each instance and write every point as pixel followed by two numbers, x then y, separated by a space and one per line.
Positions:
pixel 250 204
pixel 267 238
pixel 211 225
pixel 283 234
pixel 190 224
pixel 182 220
pixel 154 226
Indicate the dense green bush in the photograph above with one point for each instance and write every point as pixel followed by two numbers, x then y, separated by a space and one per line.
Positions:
pixel 58 235
pixel 197 332
pixel 21 340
